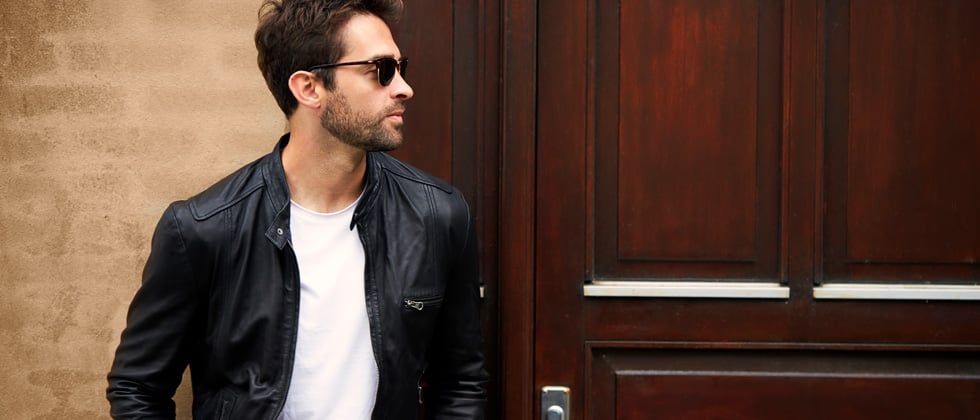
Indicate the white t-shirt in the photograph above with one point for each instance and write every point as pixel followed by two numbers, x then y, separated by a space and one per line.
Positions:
pixel 335 375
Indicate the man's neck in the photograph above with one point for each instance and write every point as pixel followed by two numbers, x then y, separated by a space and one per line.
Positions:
pixel 324 174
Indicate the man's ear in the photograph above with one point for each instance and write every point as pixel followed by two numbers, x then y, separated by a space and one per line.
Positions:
pixel 304 85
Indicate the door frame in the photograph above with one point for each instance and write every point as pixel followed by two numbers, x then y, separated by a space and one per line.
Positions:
pixel 518 148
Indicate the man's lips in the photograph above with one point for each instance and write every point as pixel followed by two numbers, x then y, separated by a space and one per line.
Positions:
pixel 396 115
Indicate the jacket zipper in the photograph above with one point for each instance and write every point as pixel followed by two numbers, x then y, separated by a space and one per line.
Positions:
pixel 289 366
pixel 418 303
pixel 419 384
pixel 373 323
pixel 222 414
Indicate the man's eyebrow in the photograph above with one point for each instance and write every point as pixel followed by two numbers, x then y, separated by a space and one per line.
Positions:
pixel 379 56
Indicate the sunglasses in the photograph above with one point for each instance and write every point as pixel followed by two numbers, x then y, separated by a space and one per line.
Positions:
pixel 386 67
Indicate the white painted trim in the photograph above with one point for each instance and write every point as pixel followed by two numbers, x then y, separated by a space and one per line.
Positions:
pixel 687 289
pixel 855 291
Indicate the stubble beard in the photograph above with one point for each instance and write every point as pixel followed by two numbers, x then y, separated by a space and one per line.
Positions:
pixel 367 132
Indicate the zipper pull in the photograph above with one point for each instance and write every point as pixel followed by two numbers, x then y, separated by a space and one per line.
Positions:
pixel 421 400
pixel 414 304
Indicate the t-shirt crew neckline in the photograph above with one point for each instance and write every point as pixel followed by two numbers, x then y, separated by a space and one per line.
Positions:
pixel 347 209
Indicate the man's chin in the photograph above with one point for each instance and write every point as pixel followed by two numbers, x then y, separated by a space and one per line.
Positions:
pixel 383 146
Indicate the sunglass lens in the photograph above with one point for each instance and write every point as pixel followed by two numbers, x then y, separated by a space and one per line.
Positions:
pixel 402 66
pixel 386 70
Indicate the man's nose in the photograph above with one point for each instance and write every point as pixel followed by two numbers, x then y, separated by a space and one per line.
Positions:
pixel 400 88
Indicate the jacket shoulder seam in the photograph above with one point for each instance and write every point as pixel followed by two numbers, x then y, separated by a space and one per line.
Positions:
pixel 199 216
pixel 438 185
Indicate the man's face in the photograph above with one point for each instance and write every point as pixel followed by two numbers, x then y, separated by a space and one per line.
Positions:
pixel 359 111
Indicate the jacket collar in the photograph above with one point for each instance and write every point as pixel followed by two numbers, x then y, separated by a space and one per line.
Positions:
pixel 372 186
pixel 278 192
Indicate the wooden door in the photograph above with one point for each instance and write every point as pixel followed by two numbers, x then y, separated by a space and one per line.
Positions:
pixel 741 208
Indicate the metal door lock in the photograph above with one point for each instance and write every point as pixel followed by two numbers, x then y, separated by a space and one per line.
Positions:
pixel 554 403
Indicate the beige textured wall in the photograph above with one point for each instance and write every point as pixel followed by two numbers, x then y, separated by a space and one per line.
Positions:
pixel 109 110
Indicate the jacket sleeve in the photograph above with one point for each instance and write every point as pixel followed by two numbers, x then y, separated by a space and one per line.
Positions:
pixel 455 376
pixel 153 350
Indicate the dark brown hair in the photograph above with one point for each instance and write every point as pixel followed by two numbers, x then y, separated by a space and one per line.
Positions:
pixel 295 35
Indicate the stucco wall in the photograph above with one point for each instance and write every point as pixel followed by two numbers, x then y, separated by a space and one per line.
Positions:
pixel 109 110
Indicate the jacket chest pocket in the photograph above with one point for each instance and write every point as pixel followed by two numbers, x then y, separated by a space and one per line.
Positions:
pixel 419 317
pixel 421 304
pixel 420 314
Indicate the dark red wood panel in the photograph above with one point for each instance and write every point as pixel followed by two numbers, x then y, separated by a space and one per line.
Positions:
pixel 748 384
pixel 517 208
pixel 913 190
pixel 560 210
pixel 875 323
pixel 425 36
pixel 903 143
pixel 687 151
pixel 686 154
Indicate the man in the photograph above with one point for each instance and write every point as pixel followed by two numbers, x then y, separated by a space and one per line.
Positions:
pixel 326 280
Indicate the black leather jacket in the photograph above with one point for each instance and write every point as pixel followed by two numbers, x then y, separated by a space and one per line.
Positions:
pixel 221 292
